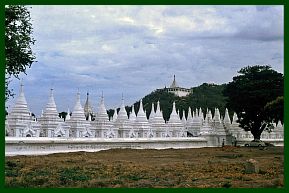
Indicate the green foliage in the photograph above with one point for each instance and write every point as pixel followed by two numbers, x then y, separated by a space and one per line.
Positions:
pixel 227 185
pixel 248 94
pixel 18 41
pixel 205 96
pixel 62 115
pixel 275 110
pixel 70 175
pixel 12 168
pixel 208 96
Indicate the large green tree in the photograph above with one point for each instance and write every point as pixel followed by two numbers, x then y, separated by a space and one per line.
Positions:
pixel 250 92
pixel 18 41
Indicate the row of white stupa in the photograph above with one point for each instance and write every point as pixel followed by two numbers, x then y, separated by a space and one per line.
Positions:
pixel 20 123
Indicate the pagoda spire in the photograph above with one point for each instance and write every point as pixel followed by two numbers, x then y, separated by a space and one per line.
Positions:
pixel 87 106
pixel 235 117
pixel 122 115
pixel 102 113
pixel 174 84
pixel 152 114
pixel 68 115
pixel 227 119
pixel 189 117
pixel 78 112
pixel 50 109
pixel 114 116
pixel 141 111
pixel 217 116
pixel 132 115
pixel 21 108
pixel 174 117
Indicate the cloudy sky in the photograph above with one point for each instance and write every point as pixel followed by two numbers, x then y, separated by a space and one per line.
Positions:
pixel 136 49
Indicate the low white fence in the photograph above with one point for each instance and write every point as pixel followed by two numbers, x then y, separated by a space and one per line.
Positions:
pixel 41 146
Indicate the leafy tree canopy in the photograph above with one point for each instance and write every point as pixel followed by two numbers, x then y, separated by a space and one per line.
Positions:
pixel 249 93
pixel 18 41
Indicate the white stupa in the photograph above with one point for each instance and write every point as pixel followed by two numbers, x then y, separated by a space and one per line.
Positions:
pixel 201 116
pixel 51 124
pixel 189 122
pixel 227 120
pixel 132 116
pixel 102 127
pixel 183 119
pixel 206 128
pixel 278 131
pixel 219 128
pixel 159 123
pixel 141 124
pixel 79 126
pixel 123 124
pixel 19 122
pixel 197 123
pixel 152 113
pixel 175 124
pixel 88 110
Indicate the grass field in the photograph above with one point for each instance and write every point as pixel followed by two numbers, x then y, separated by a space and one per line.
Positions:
pixel 170 168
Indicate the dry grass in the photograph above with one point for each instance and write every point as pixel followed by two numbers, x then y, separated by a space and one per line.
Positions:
pixel 197 168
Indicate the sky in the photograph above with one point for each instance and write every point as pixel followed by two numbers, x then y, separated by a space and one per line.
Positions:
pixel 134 50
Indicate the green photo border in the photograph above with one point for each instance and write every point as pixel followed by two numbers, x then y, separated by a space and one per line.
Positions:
pixel 140 2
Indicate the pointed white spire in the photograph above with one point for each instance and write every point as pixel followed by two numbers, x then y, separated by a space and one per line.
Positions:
pixel 68 115
pixel 279 125
pixel 114 117
pixel 87 106
pixel 174 84
pixel 158 115
pixel 21 108
pixel 152 114
pixel 184 118
pixel 141 116
pixel 78 112
pixel 50 109
pixel 235 118
pixel 208 118
pixel 174 117
pixel 201 114
pixel 189 117
pixel 227 119
pixel 102 113
pixel 217 117
pixel 122 114
pixel 132 116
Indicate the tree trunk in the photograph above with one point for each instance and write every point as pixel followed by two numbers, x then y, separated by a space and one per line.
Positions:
pixel 257 131
pixel 257 136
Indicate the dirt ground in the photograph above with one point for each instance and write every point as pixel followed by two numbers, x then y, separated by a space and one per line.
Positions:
pixel 131 168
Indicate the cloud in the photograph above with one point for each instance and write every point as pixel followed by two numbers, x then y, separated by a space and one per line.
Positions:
pixel 136 49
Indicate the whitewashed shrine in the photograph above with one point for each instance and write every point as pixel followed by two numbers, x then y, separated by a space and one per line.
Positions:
pixel 26 134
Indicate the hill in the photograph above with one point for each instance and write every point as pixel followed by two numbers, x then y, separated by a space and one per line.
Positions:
pixel 205 96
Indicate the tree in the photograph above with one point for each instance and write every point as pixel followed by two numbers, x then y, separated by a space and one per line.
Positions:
pixel 18 41
pixel 249 93
pixel 62 115
pixel 275 110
